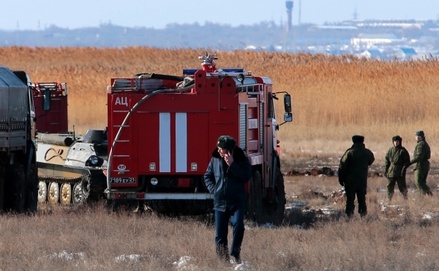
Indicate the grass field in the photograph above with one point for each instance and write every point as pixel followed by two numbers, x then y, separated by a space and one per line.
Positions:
pixel 397 236
pixel 333 98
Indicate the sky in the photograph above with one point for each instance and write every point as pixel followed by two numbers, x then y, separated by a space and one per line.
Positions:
pixel 41 14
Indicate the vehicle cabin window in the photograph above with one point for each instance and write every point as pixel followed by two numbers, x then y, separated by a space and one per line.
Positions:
pixel 46 100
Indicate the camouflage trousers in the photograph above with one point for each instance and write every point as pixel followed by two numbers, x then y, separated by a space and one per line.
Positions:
pixel 421 180
pixel 402 186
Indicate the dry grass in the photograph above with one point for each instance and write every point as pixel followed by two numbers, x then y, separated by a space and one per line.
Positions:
pixel 391 237
pixel 333 98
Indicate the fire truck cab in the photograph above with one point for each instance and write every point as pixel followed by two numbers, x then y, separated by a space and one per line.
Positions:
pixel 162 130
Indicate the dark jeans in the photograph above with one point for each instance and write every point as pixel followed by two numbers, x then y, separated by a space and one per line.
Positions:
pixel 235 216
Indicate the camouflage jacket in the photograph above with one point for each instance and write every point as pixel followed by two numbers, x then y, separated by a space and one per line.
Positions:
pixel 421 154
pixel 397 158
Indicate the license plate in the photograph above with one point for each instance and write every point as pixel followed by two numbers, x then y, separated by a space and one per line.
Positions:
pixel 123 180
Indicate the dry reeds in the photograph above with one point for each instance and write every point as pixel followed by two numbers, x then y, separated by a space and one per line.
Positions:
pixel 333 97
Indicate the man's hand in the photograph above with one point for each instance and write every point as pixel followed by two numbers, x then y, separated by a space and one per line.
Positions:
pixel 340 181
pixel 228 158
pixel 341 177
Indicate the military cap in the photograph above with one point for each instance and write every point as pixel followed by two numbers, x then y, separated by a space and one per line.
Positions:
pixel 396 138
pixel 420 133
pixel 358 139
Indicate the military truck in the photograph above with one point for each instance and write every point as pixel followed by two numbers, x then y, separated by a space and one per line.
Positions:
pixel 18 171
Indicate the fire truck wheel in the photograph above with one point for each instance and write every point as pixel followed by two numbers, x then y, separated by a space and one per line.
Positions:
pixel 42 192
pixel 66 194
pixel 279 189
pixel 255 206
pixel 109 205
pixel 53 195
pixel 122 205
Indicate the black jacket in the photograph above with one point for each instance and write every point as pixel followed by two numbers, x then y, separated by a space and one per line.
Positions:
pixel 354 166
pixel 228 183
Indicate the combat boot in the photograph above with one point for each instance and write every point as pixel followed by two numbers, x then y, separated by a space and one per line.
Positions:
pixel 390 196
pixel 404 194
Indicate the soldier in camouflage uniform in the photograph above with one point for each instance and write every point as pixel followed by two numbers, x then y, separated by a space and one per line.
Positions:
pixel 397 158
pixel 422 165
pixel 352 174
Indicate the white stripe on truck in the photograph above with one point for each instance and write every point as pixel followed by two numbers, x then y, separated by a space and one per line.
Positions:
pixel 181 142
pixel 165 142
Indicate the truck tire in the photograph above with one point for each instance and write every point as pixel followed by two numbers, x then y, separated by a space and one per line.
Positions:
pixel 279 204
pixel 13 182
pixel 17 183
pixel 31 189
pixel 2 187
pixel 264 210
pixel 255 205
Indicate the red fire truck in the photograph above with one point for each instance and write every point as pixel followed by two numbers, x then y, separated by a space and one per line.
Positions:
pixel 162 130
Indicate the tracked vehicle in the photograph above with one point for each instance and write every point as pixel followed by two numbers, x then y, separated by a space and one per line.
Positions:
pixel 69 166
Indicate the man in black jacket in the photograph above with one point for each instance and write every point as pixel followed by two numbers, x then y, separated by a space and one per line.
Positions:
pixel 352 174
pixel 226 175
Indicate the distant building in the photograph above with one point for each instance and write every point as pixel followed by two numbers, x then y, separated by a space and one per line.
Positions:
pixel 372 53
pixel 370 40
pixel 407 53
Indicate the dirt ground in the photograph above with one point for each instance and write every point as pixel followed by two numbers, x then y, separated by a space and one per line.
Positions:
pixel 313 193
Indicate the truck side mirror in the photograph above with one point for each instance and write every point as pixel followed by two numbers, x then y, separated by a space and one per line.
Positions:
pixel 288 116
pixel 287 103
pixel 46 100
